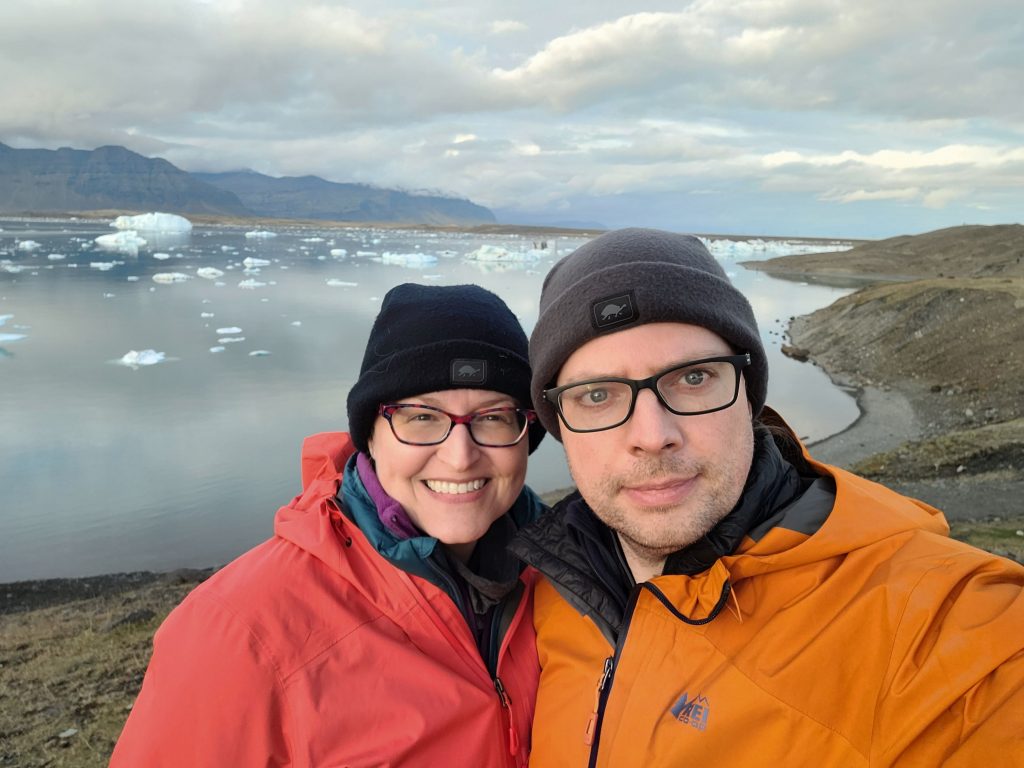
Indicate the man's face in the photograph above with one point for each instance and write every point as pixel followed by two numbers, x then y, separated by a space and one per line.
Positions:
pixel 662 481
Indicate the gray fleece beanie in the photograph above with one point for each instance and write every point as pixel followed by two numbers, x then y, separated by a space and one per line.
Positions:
pixel 630 277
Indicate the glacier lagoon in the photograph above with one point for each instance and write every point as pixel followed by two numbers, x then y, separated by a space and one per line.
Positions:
pixel 154 393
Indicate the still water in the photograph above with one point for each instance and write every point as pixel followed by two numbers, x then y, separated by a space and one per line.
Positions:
pixel 105 467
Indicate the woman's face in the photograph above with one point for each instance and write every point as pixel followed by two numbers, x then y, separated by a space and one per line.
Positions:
pixel 452 491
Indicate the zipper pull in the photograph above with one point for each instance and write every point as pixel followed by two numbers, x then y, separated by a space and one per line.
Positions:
pixel 506 703
pixel 588 736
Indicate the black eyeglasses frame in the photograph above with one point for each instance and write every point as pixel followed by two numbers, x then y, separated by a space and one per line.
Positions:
pixel 739 362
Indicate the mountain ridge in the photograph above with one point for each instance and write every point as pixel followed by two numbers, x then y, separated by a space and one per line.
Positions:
pixel 111 177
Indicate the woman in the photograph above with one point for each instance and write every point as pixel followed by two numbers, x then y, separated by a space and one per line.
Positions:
pixel 383 624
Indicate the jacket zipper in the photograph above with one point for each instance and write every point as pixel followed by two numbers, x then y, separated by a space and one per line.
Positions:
pixel 592 736
pixel 506 704
pixel 503 697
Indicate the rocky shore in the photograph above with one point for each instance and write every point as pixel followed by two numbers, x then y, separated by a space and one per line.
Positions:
pixel 931 345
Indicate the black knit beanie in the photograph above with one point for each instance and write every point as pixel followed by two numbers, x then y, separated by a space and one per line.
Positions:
pixel 429 338
pixel 630 277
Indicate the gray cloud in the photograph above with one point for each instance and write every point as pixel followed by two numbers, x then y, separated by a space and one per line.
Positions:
pixel 912 105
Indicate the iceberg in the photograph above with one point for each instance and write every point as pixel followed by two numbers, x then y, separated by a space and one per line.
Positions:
pixel 228 331
pixel 161 256
pixel 126 241
pixel 251 284
pixel 153 222
pixel 134 359
pixel 215 350
pixel 409 259
pixel 102 266
pixel 170 277
pixel 249 262
pixel 29 245
pixel 260 234
pixel 210 273
pixel 497 253
pixel 231 339
pixel 259 353
pixel 339 252
pixel 7 337
pixel 56 257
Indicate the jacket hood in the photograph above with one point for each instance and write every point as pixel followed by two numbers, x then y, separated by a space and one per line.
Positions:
pixel 315 522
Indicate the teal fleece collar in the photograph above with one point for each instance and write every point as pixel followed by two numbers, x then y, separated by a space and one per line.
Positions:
pixel 418 555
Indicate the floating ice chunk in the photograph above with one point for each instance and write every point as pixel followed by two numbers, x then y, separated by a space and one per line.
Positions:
pixel 250 261
pixel 161 256
pixel 12 268
pixel 251 284
pixel 5 318
pixel 206 314
pixel 210 273
pixel 109 295
pixel 259 353
pixel 127 241
pixel 170 277
pixel 497 253
pixel 154 222
pixel 134 359
pixel 130 278
pixel 217 349
pixel 102 266
pixel 409 259
pixel 335 283
pixel 29 245
pixel 366 253
pixel 56 257
pixel 260 233
pixel 7 337
pixel 231 339
pixel 339 252
pixel 296 323
pixel 227 331
pixel 312 239
pixel 219 284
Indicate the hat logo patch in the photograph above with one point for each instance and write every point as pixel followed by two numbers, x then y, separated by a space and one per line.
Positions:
pixel 613 311
pixel 465 371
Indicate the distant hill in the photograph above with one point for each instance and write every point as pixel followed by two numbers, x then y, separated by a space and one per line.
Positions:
pixel 966 251
pixel 310 197
pixel 48 181
pixel 115 178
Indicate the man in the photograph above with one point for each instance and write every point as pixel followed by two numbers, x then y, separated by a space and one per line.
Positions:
pixel 714 596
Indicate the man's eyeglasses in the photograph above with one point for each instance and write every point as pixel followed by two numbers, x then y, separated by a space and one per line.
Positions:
pixel 688 389
pixel 414 424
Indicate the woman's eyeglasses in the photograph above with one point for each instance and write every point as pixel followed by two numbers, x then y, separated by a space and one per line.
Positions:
pixel 414 424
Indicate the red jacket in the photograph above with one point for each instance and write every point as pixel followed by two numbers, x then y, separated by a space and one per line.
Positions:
pixel 313 650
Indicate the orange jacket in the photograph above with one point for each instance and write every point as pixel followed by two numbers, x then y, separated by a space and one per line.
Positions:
pixel 875 641
pixel 313 650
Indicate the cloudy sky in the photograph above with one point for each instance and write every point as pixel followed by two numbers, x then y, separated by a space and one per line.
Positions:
pixel 788 117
